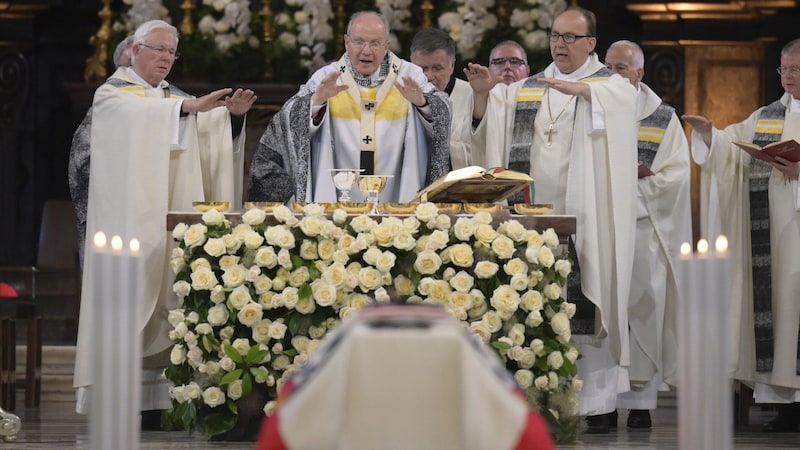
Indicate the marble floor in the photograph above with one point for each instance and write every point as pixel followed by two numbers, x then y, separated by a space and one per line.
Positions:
pixel 56 425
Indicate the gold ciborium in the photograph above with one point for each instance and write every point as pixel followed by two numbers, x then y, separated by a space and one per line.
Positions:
pixel 371 187
pixel 208 206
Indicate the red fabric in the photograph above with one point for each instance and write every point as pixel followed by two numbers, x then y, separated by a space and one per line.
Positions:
pixel 536 435
pixel 7 291
pixel 269 438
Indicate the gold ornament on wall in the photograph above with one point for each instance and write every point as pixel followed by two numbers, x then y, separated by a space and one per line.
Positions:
pixel 96 64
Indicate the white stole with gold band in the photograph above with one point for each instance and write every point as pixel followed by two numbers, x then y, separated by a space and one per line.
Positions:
pixel 369 107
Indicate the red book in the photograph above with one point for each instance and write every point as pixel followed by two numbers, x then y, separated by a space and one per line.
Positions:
pixel 789 150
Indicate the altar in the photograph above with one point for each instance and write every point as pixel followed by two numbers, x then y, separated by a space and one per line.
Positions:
pixel 260 291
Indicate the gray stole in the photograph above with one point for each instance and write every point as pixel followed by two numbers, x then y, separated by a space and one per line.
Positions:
pixel 651 133
pixel 529 101
pixel 760 236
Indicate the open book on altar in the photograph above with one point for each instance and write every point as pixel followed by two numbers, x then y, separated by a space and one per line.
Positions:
pixel 474 184
pixel 789 150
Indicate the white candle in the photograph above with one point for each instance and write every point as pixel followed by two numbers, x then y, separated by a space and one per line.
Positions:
pixel 114 416
pixel 704 390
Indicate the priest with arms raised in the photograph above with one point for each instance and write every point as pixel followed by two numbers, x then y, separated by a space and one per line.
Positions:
pixel 757 206
pixel 369 110
pixel 153 149
pixel 573 129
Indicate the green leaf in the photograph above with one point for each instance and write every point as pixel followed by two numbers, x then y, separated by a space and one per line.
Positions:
pixel 255 355
pixel 233 354
pixel 217 422
pixel 231 376
pixel 304 291
pixel 259 372
pixel 247 385
pixel 500 345
pixel 297 261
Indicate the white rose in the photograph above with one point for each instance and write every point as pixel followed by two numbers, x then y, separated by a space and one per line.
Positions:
pixel 385 261
pixel 426 211
pixel 250 314
pixel 217 315
pixel 403 285
pixel 492 321
pixel 291 297
pixel 513 229
pixel 254 216
pixel 203 279
pixel 563 267
pixel 178 354
pixel 299 276
pixel 311 225
pixel 537 346
pixel 253 240
pixel 260 331
pixel 503 247
pixel 532 301
pixel 519 282
pixel 555 360
pixel 546 257
pixel 442 222
pixel 560 323
pixel 213 397
pixel 480 329
pixel 532 253
pixel 463 229
pixel 277 330
pixel 324 293
pixel 234 276
pixel 553 378
pixel 177 265
pixel 524 378
pixel 195 235
pixel 181 288
pixel 266 257
pixel 282 213
pixel 178 393
pixel 232 243
pixel 534 319
pixel 486 269
pixel 241 345
pixel 340 215
pixel 235 389
pixel 239 297
pixel 552 291
pixel 427 262
pixel 568 309
pixel 462 281
pixel 213 217
pixel 550 238
pixel 404 240
pixel 517 334
pixel 203 328
pixel 572 354
pixel 215 247
pixel 218 294
pixel 541 382
pixel 505 299
pixel 179 231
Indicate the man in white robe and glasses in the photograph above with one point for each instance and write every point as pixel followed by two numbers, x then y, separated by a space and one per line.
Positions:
pixel 369 110
pixel 573 129
pixel 153 148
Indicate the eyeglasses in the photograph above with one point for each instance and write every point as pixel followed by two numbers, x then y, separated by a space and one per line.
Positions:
pixel 374 45
pixel 793 71
pixel 161 50
pixel 515 62
pixel 569 38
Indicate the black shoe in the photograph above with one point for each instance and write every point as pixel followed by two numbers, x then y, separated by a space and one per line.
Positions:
pixel 151 420
pixel 639 418
pixel 598 424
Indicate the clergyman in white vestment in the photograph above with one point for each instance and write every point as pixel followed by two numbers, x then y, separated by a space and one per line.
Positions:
pixel 573 128
pixel 757 206
pixel 434 51
pixel 369 110
pixel 153 149
pixel 664 222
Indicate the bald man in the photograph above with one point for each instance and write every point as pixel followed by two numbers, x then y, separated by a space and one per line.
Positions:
pixel 663 223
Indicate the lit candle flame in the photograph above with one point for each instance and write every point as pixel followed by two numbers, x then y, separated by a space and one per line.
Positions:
pixel 686 249
pixel 702 247
pixel 721 244
pixel 134 246
pixel 99 239
pixel 116 243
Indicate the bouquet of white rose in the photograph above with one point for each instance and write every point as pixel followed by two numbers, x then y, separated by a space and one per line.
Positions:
pixel 258 297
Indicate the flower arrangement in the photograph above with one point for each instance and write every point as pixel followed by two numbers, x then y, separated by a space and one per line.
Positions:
pixel 258 297
pixel 231 44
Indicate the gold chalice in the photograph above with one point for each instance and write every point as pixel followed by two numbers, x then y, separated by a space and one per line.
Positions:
pixel 208 206
pixel 371 187
pixel 264 206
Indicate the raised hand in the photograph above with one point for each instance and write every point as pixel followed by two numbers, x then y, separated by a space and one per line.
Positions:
pixel 411 90
pixel 327 88
pixel 240 102
pixel 701 124
pixel 480 79
pixel 569 87
pixel 206 102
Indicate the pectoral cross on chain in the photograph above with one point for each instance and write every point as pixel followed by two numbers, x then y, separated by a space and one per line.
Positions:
pixel 550 132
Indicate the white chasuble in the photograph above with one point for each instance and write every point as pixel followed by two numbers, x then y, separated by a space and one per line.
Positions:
pixel 725 207
pixel 146 161
pixel 400 137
